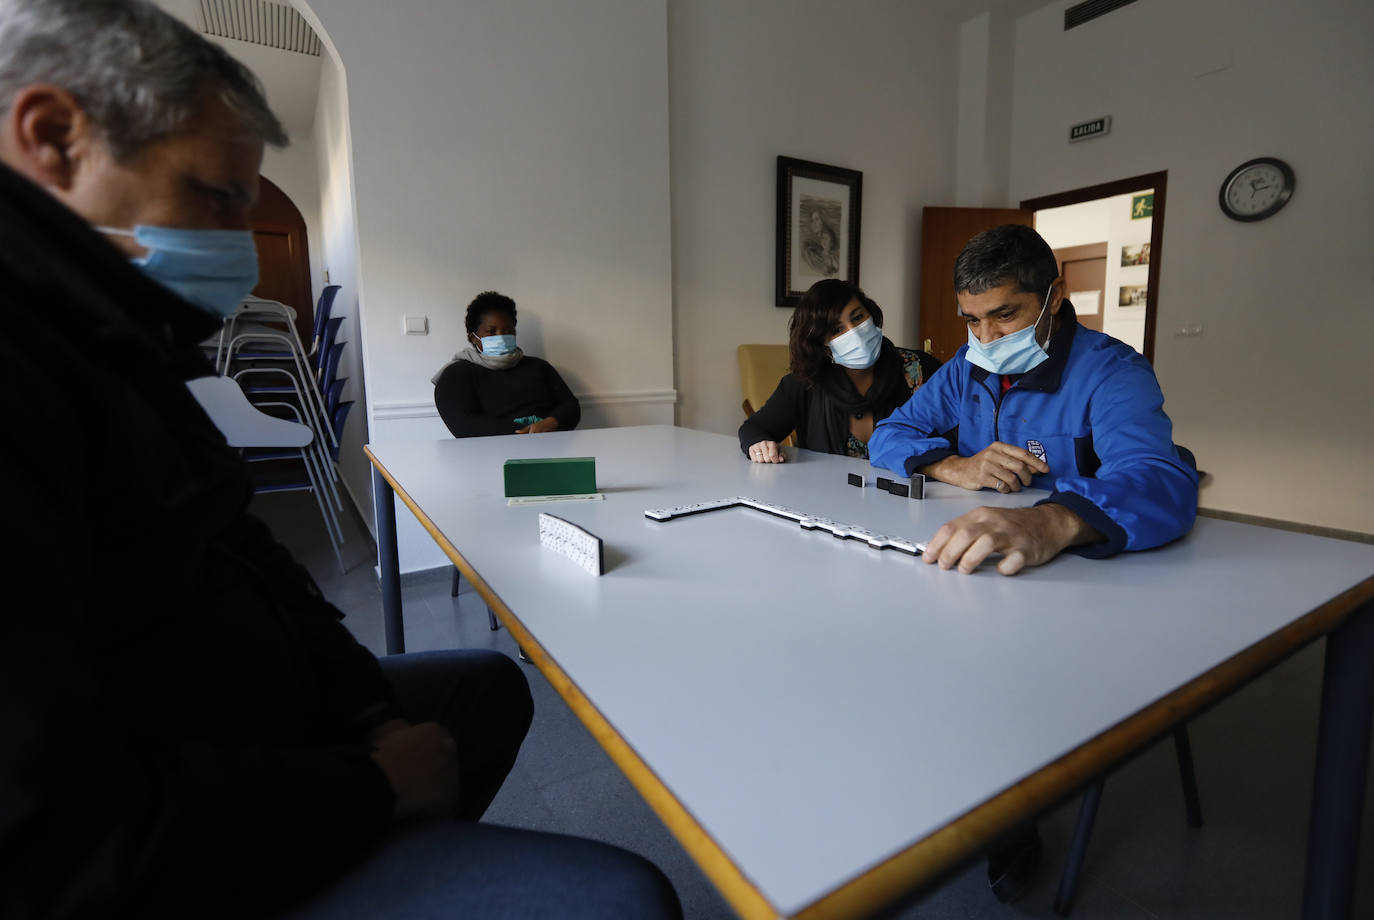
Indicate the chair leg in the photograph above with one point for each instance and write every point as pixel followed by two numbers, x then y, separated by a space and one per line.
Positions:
pixel 453 592
pixel 1078 849
pixel 1184 749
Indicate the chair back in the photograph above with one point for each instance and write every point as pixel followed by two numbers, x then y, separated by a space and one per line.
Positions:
pixel 331 335
pixel 323 308
pixel 760 369
pixel 240 421
pixel 331 365
pixel 340 416
pixel 332 394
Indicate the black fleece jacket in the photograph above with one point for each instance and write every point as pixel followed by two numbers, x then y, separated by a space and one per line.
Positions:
pixel 177 701
pixel 475 400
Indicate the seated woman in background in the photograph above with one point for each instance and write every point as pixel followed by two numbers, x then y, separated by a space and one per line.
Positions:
pixel 845 377
pixel 492 387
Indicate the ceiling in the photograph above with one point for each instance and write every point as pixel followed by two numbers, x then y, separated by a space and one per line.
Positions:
pixel 291 78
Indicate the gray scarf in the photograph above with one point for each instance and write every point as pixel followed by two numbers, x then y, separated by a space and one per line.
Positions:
pixel 471 355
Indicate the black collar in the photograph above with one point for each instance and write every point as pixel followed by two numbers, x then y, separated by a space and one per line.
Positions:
pixel 1048 374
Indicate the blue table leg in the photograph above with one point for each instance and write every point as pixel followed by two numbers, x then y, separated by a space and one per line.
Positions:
pixel 1333 836
pixel 384 498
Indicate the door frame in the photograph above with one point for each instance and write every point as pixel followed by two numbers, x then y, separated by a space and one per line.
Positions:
pixel 1159 182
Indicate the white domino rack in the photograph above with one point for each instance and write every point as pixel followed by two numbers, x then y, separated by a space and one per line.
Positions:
pixel 807 522
pixel 567 539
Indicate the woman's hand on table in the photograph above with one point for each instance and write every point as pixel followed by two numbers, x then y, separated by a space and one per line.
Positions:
pixel 766 452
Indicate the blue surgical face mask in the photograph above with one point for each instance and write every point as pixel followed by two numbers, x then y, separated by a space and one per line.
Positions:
pixel 858 348
pixel 1011 354
pixel 213 269
pixel 498 345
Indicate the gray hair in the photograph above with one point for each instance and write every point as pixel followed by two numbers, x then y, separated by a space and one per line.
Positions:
pixel 139 73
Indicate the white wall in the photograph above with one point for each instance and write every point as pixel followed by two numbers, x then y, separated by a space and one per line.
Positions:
pixel 1283 422
pixel 337 244
pixel 867 86
pixel 519 145
pixel 1109 220
pixel 982 125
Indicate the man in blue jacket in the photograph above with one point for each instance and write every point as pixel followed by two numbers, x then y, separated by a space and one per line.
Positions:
pixel 1038 400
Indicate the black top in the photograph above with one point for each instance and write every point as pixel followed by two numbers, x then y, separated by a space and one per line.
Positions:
pixel 820 414
pixel 475 400
pixel 177 701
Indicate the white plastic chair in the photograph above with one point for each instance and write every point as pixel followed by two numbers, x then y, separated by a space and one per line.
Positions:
pixel 244 426
pixel 313 401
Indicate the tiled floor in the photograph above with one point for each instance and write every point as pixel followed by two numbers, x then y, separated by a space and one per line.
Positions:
pixel 1254 755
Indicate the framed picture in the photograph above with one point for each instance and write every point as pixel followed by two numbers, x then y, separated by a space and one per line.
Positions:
pixel 1135 255
pixel 819 209
pixel 1131 295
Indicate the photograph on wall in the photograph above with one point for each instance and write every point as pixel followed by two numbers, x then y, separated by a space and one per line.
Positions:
pixel 1132 295
pixel 818 229
pixel 1135 255
pixel 818 221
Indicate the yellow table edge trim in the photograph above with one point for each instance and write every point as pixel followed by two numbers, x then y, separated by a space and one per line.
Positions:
pixel 736 888
pixel 891 879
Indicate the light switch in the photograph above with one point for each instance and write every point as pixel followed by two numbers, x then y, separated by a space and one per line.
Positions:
pixel 416 325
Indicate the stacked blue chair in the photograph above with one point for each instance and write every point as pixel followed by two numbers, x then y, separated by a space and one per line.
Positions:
pixel 261 351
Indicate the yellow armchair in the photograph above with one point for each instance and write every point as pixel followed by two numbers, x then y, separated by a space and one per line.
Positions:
pixel 760 369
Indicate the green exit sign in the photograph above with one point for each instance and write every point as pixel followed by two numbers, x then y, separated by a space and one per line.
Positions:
pixel 1095 128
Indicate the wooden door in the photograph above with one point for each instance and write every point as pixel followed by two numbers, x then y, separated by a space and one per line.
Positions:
pixel 1085 272
pixel 283 255
pixel 944 231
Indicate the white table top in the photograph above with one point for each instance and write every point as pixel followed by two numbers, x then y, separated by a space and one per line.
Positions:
pixel 818 705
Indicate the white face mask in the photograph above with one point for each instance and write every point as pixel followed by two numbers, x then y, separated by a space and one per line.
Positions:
pixel 1016 353
pixel 859 347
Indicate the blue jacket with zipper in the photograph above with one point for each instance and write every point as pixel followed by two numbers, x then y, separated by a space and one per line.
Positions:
pixel 1093 411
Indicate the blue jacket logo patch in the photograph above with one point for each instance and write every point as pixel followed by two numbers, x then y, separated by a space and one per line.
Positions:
pixel 1037 449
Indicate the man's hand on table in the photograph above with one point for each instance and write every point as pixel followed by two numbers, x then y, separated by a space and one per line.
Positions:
pixel 1024 537
pixel 421 763
pixel 999 466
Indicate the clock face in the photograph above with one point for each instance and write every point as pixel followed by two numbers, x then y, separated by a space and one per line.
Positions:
pixel 1256 189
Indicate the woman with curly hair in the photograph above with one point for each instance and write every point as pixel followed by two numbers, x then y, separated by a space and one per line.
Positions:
pixel 844 378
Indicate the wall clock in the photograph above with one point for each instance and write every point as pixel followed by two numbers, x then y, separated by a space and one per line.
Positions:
pixel 1256 189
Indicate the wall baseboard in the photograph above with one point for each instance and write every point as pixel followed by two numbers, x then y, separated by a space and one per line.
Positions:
pixel 1315 530
pixel 388 411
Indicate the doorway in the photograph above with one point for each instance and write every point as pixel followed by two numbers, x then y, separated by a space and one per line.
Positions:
pixel 1107 239
pixel 283 255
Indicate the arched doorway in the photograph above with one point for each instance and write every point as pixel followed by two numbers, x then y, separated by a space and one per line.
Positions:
pixel 283 255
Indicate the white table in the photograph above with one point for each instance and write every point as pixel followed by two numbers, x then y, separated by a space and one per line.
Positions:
pixel 825 726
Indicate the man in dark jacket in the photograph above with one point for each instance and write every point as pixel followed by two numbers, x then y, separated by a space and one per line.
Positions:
pixel 188 728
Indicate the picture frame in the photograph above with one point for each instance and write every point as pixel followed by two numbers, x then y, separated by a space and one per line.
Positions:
pixel 820 210
pixel 1132 255
pixel 1132 295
